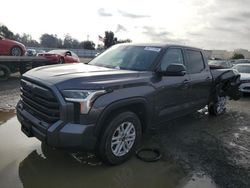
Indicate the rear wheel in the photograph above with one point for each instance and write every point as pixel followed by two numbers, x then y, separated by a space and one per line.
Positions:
pixel 218 106
pixel 61 61
pixel 120 138
pixel 16 51
pixel 4 72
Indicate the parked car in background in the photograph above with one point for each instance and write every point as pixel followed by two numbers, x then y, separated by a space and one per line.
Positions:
pixel 60 56
pixel 40 51
pixel 221 64
pixel 11 48
pixel 31 52
pixel 241 61
pixel 244 70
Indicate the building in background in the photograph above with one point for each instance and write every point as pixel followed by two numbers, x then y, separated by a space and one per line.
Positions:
pixel 224 54
pixel 244 52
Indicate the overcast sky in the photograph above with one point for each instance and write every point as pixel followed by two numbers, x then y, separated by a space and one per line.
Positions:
pixel 209 24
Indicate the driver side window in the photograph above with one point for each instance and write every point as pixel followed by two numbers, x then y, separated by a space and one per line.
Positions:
pixel 172 56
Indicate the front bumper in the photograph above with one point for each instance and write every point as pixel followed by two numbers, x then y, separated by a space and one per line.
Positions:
pixel 60 134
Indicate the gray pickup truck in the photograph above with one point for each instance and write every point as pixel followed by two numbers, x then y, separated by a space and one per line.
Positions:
pixel 106 105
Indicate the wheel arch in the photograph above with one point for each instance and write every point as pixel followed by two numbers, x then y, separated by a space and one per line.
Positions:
pixel 16 46
pixel 227 84
pixel 137 105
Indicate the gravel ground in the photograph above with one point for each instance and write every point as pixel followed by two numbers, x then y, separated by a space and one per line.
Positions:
pixel 9 93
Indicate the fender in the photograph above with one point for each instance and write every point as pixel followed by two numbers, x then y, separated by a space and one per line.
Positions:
pixel 123 103
pixel 228 83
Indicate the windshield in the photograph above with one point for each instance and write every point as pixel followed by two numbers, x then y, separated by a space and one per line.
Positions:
pixel 57 52
pixel 242 68
pixel 127 57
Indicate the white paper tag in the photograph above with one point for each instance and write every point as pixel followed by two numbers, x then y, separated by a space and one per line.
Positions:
pixel 155 49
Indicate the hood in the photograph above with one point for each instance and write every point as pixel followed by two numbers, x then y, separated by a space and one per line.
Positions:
pixel 245 76
pixel 81 76
pixel 15 42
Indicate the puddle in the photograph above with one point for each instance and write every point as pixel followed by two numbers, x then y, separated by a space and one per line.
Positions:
pixel 6 115
pixel 199 181
pixel 35 171
pixel 195 139
pixel 245 128
pixel 26 163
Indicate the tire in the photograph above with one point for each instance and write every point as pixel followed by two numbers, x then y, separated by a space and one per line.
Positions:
pixel 6 72
pixel 16 51
pixel 218 106
pixel 61 60
pixel 124 144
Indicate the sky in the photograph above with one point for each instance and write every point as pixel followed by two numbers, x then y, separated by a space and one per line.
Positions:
pixel 207 24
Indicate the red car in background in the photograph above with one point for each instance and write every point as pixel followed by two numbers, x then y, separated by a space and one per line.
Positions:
pixel 60 56
pixel 11 47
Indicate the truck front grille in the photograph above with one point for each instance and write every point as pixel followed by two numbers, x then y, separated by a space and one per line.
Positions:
pixel 39 101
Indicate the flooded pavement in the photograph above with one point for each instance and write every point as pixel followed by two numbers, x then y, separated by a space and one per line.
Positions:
pixel 26 163
pixel 197 151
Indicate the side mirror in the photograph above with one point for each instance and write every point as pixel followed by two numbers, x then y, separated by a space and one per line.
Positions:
pixel 67 54
pixel 175 70
pixel 1 38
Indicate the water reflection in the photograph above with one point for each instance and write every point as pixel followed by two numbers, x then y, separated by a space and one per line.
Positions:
pixel 5 116
pixel 62 169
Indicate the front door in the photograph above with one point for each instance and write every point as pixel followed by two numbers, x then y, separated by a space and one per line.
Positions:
pixel 172 91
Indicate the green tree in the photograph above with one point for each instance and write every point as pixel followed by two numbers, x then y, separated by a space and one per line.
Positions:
pixel 124 41
pixel 238 56
pixel 67 42
pixel 89 45
pixel 50 41
pixel 6 32
pixel 27 40
pixel 70 42
pixel 109 39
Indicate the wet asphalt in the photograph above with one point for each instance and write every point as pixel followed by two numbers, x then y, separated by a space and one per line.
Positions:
pixel 197 151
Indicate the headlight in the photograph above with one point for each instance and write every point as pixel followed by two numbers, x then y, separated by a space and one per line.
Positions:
pixel 83 97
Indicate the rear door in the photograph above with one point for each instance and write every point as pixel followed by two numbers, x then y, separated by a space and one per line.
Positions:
pixel 200 78
pixel 172 91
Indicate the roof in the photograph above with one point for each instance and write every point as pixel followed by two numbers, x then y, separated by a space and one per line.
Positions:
pixel 160 45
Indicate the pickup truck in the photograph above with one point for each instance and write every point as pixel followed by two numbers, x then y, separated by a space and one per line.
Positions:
pixel 106 105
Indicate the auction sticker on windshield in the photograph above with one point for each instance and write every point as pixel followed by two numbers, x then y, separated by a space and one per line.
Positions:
pixel 152 49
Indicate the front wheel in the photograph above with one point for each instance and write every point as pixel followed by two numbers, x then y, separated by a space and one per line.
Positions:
pixel 218 106
pixel 120 138
pixel 16 51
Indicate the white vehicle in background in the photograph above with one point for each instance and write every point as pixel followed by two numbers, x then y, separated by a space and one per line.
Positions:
pixel 244 70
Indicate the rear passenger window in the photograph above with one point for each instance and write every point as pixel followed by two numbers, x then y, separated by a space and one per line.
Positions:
pixel 195 61
pixel 170 57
